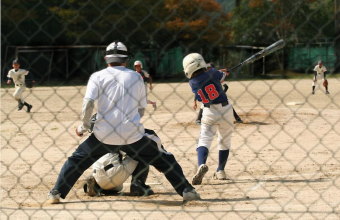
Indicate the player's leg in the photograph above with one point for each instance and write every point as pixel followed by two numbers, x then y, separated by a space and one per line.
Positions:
pixel 18 97
pixel 207 133
pixel 325 84
pixel 314 84
pixel 147 151
pixel 81 159
pixel 225 130
pixel 138 180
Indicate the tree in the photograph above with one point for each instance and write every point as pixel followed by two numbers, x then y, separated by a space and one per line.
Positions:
pixel 197 22
pixel 262 21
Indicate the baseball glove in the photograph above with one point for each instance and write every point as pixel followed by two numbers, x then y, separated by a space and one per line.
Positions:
pixel 325 83
pixel 29 83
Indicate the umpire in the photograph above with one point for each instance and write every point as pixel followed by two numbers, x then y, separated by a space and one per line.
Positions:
pixel 121 99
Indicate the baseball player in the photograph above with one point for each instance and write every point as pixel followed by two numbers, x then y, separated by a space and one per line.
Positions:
pixel 17 75
pixel 120 96
pixel 112 170
pixel 225 89
pixel 320 73
pixel 217 114
pixel 146 78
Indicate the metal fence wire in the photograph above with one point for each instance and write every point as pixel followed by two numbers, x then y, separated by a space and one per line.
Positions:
pixel 284 156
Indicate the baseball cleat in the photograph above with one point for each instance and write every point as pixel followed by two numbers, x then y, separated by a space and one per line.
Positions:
pixel 53 197
pixel 20 106
pixel 313 93
pixel 29 107
pixel 327 92
pixel 220 175
pixel 201 171
pixel 239 121
pixel 190 194
pixel 138 188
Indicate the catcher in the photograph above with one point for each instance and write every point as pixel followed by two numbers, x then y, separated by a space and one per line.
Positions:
pixel 113 169
pixel 320 73
pixel 17 75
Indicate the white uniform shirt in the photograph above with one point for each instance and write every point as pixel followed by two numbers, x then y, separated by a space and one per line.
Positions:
pixel 320 71
pixel 120 93
pixel 18 76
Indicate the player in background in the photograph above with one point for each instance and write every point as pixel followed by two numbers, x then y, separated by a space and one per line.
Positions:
pixel 146 78
pixel 225 89
pixel 217 114
pixel 113 169
pixel 320 73
pixel 120 96
pixel 18 75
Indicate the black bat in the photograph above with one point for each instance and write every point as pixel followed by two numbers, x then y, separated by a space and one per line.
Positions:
pixel 266 51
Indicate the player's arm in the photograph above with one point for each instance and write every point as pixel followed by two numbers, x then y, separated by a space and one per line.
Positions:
pixel 142 97
pixel 9 77
pixel 147 75
pixel 150 82
pixel 195 104
pixel 88 106
pixel 92 94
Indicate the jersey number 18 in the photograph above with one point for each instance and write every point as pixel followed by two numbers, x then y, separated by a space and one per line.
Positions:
pixel 211 91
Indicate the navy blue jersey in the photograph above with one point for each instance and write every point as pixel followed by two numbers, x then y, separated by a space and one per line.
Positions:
pixel 207 87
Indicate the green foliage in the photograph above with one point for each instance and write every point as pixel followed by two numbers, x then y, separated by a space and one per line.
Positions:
pixel 262 21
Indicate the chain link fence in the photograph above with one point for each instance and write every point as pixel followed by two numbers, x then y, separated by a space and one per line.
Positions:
pixel 284 159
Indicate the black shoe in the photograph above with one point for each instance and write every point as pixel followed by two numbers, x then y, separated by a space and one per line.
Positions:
pixel 140 189
pixel 20 106
pixel 239 121
pixel 198 122
pixel 29 107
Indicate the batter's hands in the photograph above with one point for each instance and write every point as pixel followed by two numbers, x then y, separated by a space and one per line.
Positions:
pixel 194 106
pixel 226 71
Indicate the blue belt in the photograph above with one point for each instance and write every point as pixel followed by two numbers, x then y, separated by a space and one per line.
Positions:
pixel 223 104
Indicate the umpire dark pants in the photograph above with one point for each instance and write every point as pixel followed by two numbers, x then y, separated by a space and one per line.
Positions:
pixel 145 151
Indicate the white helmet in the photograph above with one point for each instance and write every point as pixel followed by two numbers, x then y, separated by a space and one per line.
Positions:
pixel 116 52
pixel 193 62
pixel 137 62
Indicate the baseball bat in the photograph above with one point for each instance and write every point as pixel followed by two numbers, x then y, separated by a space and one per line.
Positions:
pixel 266 51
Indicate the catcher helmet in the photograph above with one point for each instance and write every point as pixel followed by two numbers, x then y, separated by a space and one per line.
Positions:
pixel 116 52
pixel 137 62
pixel 193 62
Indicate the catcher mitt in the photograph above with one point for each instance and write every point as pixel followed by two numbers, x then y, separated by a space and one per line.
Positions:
pixel 29 83
pixel 325 83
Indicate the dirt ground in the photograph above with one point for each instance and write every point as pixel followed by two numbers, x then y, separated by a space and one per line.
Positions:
pixel 284 162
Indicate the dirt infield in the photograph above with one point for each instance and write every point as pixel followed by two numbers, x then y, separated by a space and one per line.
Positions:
pixel 284 162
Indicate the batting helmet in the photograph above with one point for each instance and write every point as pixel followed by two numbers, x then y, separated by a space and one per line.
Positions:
pixel 193 62
pixel 138 63
pixel 116 52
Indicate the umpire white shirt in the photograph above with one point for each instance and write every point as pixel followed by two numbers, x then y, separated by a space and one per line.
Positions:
pixel 120 93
